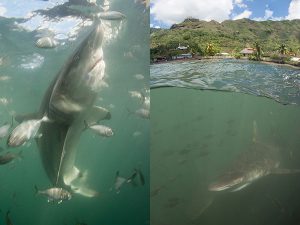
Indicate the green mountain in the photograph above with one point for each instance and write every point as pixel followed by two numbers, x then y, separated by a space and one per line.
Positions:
pixel 228 36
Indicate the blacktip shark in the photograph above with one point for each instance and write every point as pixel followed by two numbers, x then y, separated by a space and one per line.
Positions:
pixel 68 102
pixel 256 162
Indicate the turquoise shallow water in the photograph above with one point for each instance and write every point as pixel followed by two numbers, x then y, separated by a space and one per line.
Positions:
pixel 196 134
pixel 280 83
pixel 28 71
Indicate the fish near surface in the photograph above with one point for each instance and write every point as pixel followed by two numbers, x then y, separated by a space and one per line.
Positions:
pixel 8 157
pixel 68 102
pixel 55 194
pixel 111 15
pixel 143 113
pixel 25 131
pixel 4 130
pixel 102 130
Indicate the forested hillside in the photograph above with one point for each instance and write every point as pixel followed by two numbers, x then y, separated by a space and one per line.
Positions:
pixel 229 36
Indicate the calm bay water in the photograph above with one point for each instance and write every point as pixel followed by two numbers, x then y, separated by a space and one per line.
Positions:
pixel 26 72
pixel 196 133
pixel 280 83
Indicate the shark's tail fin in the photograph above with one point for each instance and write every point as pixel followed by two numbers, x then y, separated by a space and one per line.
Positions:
pixel 77 181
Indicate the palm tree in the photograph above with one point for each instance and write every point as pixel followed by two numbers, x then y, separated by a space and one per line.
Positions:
pixel 210 49
pixel 258 51
pixel 282 49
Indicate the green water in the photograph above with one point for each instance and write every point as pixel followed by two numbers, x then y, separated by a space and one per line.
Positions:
pixel 30 70
pixel 195 134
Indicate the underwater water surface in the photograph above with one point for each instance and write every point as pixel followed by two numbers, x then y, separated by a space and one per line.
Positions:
pixel 26 72
pixel 196 134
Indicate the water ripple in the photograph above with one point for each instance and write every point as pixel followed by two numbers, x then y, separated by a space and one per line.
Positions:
pixel 280 83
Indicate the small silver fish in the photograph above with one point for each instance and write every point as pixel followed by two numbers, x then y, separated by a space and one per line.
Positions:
pixel 4 130
pixel 119 182
pixel 143 113
pixel 8 157
pixel 137 178
pixel 101 130
pixel 139 76
pixel 55 194
pixel 46 42
pixel 138 95
pixel 111 15
pixel 4 101
pixel 25 131
pixel 146 103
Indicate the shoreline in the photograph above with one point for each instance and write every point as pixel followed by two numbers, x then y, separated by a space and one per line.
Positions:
pixel 280 64
pixel 207 59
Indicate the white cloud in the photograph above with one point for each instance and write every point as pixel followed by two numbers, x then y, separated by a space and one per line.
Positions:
pixel 240 3
pixel 268 16
pixel 2 10
pixel 151 24
pixel 245 14
pixel 294 10
pixel 175 11
pixel 268 13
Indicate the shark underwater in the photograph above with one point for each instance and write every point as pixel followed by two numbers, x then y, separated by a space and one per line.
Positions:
pixel 69 104
pixel 259 160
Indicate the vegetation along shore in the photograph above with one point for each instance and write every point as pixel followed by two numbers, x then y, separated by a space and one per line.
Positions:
pixel 269 41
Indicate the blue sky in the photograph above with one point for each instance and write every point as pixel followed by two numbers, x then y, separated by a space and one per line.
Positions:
pixel 167 12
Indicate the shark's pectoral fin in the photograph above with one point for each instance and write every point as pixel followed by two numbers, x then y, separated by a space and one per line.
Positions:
pixel 64 104
pixel 30 116
pixel 240 187
pixel 96 114
pixel 285 171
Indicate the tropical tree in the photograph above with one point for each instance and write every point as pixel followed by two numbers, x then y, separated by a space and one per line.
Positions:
pixel 210 49
pixel 195 48
pixel 282 49
pixel 258 51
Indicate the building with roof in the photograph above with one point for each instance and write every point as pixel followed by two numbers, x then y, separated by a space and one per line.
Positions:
pixel 247 51
pixel 180 47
